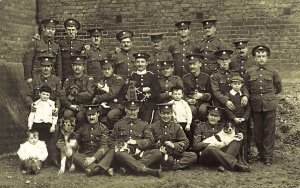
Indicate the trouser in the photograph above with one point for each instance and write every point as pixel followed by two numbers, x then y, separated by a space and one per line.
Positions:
pixel 264 132
pixel 104 162
pixel 189 134
pixel 146 114
pixel 212 156
pixel 137 165
pixel 199 111
pixel 186 160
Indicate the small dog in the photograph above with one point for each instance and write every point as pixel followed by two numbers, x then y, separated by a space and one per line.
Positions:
pixel 74 90
pixel 67 144
pixel 224 137
pixel 131 149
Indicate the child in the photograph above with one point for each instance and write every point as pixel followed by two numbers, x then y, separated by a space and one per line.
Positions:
pixel 32 153
pixel 240 114
pixel 43 116
pixel 181 110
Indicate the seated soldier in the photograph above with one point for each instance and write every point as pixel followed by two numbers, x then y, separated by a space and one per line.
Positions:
pixel 209 153
pixel 170 138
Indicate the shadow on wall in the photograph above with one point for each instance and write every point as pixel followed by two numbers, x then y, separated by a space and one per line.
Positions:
pixel 13 112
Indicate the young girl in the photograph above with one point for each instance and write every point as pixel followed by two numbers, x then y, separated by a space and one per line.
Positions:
pixel 32 153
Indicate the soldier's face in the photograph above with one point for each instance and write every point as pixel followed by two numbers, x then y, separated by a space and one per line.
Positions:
pixel 78 68
pixel 107 72
pixel 46 70
pixel 210 30
pixel 132 113
pixel 167 71
pixel 92 118
pixel 126 44
pixel 195 66
pixel 71 31
pixel 213 119
pixel 157 45
pixel 243 52
pixel 141 64
pixel 49 31
pixel 166 116
pixel 184 32
pixel 96 40
pixel 224 63
pixel 261 57
pixel 44 95
pixel 236 86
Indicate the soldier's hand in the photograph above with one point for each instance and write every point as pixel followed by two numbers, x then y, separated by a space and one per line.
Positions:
pixel 188 127
pixel 33 107
pixel 244 101
pixel 191 101
pixel 197 95
pixel 170 144
pixel 146 89
pixel 29 80
pixel 94 101
pixel 89 160
pixel 237 120
pixel 52 129
pixel 74 107
pixel 118 50
pixel 132 142
pixel 230 105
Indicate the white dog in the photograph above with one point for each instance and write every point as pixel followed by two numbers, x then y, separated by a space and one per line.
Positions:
pixel 224 137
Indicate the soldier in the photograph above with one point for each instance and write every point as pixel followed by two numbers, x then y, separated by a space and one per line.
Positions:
pixel 78 90
pixel 209 153
pixel 95 52
pixel 70 46
pixel 171 140
pixel 197 87
pixel 147 87
pixel 123 56
pixel 136 134
pixel 264 83
pixel 210 44
pixel 110 93
pixel 157 53
pixel 182 47
pixel 32 94
pixel 242 60
pixel 44 45
pixel 167 80
pixel 220 81
pixel 94 155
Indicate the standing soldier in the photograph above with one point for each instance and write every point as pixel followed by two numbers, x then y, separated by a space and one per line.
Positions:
pixel 124 55
pixel 210 44
pixel 242 60
pixel 264 83
pixel 70 46
pixel 157 53
pixel 78 90
pixel 167 80
pixel 110 93
pixel 147 87
pixel 197 87
pixel 44 45
pixel 170 138
pixel 95 52
pixel 182 47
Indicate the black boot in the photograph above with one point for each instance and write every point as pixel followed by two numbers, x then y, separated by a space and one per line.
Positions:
pixel 241 168
pixel 152 172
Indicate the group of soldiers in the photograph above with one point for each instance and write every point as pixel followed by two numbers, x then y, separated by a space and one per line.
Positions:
pixel 121 97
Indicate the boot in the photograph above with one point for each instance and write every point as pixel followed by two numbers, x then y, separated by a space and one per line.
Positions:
pixel 152 172
pixel 241 168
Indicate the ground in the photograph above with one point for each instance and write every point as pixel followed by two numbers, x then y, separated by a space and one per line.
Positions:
pixel 285 171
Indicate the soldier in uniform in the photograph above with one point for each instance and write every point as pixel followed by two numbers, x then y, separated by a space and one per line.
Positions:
pixel 209 153
pixel 110 93
pixel 43 45
pixel 264 83
pixel 220 81
pixel 208 45
pixel 157 53
pixel 197 87
pixel 147 87
pixel 123 56
pixel 32 94
pixel 70 46
pixel 94 155
pixel 95 52
pixel 136 134
pixel 78 90
pixel 242 60
pixel 182 47
pixel 167 80
pixel 170 138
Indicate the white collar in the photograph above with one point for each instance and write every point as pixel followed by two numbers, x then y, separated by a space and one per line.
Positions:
pixel 232 92
pixel 141 72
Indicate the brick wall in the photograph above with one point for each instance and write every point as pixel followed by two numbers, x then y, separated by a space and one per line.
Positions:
pixel 272 22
